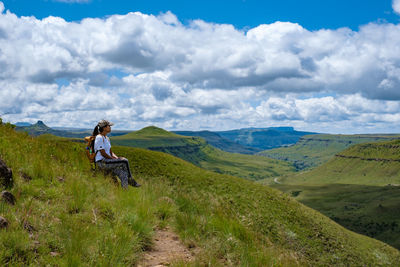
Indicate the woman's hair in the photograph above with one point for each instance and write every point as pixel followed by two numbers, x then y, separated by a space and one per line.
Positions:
pixel 96 131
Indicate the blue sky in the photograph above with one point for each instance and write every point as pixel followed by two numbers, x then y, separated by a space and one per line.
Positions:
pixel 311 14
pixel 323 66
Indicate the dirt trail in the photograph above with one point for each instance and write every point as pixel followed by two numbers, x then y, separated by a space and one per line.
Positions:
pixel 166 250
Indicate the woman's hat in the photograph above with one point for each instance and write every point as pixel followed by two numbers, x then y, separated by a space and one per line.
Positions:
pixel 104 123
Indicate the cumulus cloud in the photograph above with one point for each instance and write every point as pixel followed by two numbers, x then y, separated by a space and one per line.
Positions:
pixel 142 69
pixel 396 6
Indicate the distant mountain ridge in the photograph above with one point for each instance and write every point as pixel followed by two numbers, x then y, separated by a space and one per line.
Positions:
pixel 264 138
pixel 22 124
pixel 40 128
pixel 218 141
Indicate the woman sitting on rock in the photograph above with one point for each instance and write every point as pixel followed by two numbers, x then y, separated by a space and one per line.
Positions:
pixel 106 159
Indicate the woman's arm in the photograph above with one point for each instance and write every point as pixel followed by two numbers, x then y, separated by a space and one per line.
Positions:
pixel 113 155
pixel 104 154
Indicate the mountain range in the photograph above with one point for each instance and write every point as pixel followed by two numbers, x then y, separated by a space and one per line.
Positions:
pixel 244 141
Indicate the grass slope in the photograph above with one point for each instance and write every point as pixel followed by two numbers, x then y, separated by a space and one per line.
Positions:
pixel 357 188
pixel 197 151
pixel 67 215
pixel 369 210
pixel 314 150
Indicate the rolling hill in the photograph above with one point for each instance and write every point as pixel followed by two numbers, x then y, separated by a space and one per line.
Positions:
pixel 314 150
pixel 67 215
pixel 197 151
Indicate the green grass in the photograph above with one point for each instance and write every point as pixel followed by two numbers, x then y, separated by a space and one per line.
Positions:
pixel 271 217
pixel 369 210
pixel 80 218
pixel 314 150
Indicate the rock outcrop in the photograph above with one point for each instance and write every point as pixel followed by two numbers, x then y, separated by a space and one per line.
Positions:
pixel 3 222
pixel 8 197
pixel 6 176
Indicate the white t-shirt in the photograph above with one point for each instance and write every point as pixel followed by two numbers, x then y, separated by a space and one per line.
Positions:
pixel 102 142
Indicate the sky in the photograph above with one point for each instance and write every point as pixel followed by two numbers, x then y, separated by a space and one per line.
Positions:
pixel 329 66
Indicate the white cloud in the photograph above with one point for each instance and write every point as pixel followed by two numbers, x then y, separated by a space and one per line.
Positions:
pixel 142 69
pixel 396 6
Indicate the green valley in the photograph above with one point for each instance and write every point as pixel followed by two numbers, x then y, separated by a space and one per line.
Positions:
pixel 66 214
pixel 358 188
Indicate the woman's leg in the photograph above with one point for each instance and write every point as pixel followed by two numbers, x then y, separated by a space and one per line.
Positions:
pixel 119 167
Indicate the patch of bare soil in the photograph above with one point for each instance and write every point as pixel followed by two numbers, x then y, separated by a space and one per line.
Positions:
pixel 166 250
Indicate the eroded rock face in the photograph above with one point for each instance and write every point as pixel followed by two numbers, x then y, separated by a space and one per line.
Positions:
pixel 6 176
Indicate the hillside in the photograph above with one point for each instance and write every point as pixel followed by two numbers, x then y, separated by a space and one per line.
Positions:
pixel 219 142
pixel 264 138
pixel 197 151
pixel 368 210
pixel 314 150
pixel 67 215
pixel 364 164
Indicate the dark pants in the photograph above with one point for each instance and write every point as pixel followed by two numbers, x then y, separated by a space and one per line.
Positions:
pixel 119 167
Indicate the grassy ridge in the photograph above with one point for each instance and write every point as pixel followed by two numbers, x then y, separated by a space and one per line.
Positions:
pixel 364 164
pixel 66 215
pixel 197 151
pixel 388 150
pixel 314 150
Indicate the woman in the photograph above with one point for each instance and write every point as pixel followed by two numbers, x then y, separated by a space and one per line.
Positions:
pixel 106 159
